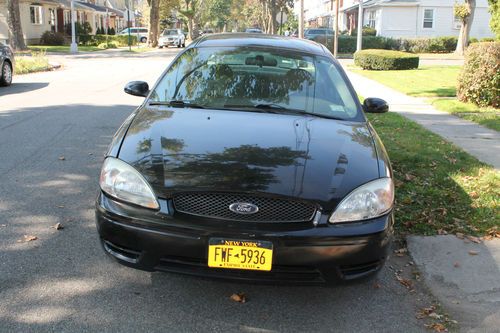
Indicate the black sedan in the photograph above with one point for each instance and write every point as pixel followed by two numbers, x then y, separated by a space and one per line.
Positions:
pixel 7 65
pixel 251 158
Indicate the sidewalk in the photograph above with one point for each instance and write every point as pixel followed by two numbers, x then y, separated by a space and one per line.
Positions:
pixel 479 141
pixel 465 276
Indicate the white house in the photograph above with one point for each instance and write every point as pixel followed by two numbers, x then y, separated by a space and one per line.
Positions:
pixel 54 15
pixel 399 18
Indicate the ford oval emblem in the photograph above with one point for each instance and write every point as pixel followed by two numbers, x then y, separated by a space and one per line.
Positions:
pixel 245 208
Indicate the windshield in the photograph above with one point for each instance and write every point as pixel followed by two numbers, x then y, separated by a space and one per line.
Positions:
pixel 232 77
pixel 169 32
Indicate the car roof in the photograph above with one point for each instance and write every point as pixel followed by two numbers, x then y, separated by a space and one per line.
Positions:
pixel 260 40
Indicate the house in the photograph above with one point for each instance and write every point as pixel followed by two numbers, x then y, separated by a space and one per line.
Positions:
pixel 55 15
pixel 399 18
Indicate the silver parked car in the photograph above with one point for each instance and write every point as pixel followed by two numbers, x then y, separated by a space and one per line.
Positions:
pixel 139 32
pixel 172 37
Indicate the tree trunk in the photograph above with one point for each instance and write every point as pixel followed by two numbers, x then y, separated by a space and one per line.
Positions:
pixel 16 38
pixel 463 37
pixel 154 22
pixel 190 27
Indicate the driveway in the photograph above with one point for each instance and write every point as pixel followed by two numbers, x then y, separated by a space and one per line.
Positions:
pixel 54 130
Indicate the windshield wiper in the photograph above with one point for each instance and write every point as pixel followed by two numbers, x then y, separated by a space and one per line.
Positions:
pixel 277 107
pixel 179 104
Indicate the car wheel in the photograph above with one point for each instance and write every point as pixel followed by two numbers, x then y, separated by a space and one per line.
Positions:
pixel 6 74
pixel 144 40
pixel 160 47
pixel 179 45
pixel 184 44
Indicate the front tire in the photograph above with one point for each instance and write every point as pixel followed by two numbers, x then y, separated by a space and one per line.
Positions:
pixel 144 40
pixel 160 47
pixel 6 74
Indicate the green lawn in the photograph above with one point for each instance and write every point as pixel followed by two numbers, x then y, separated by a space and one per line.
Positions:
pixel 62 48
pixel 439 187
pixel 427 81
pixel 436 82
pixel 139 50
pixel 488 117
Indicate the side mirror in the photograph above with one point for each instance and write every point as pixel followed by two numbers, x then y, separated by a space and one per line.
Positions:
pixel 375 105
pixel 137 88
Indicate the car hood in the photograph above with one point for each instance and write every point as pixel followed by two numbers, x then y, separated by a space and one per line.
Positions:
pixel 214 150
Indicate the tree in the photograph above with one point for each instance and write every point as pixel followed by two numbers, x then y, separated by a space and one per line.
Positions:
pixel 154 22
pixel 219 13
pixel 189 11
pixel 465 12
pixel 495 17
pixel 14 23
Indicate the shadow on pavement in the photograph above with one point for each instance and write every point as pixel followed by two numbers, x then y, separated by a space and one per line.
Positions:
pixel 18 88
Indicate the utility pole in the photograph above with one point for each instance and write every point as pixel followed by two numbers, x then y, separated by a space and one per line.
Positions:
pixel 301 19
pixel 360 26
pixel 74 47
pixel 336 32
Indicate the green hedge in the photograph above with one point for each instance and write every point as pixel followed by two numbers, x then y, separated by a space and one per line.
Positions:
pixel 479 80
pixel 347 44
pixel 429 45
pixel 385 60
pixel 96 40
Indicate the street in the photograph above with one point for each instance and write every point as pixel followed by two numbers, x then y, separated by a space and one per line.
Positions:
pixel 54 130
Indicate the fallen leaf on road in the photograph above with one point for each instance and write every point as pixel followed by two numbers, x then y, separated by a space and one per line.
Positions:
pixel 437 327
pixel 435 315
pixel 60 206
pixel 27 238
pixel 442 232
pixel 58 226
pixel 473 253
pixel 456 264
pixel 424 312
pixel 474 239
pixel 405 282
pixel 239 297
pixel 401 252
pixel 62 158
pixel 377 285
pixel 460 235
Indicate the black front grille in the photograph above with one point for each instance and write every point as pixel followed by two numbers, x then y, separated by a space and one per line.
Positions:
pixel 216 205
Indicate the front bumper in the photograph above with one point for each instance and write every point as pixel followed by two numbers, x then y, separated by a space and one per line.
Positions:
pixel 165 241
pixel 168 42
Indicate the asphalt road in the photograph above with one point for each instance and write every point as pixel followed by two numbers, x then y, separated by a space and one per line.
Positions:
pixel 63 281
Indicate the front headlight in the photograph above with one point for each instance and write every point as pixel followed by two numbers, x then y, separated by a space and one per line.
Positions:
pixel 120 180
pixel 368 201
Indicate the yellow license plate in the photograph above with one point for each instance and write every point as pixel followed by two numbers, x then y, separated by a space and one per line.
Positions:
pixel 240 254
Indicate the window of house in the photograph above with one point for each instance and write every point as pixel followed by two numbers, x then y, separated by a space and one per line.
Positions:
pixel 36 14
pixel 428 18
pixel 457 22
pixel 52 19
pixel 371 19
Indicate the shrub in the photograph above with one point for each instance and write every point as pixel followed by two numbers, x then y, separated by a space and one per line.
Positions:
pixel 385 60
pixel 347 44
pixel 111 31
pixel 479 80
pixel 429 45
pixel 38 62
pixel 52 38
pixel 487 39
pixel 91 40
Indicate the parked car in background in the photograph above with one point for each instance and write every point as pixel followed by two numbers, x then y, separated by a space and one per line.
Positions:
pixel 251 158
pixel 253 31
pixel 207 32
pixel 7 65
pixel 313 34
pixel 172 37
pixel 139 32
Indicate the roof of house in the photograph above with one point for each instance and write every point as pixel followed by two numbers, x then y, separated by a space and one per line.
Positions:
pixel 373 3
